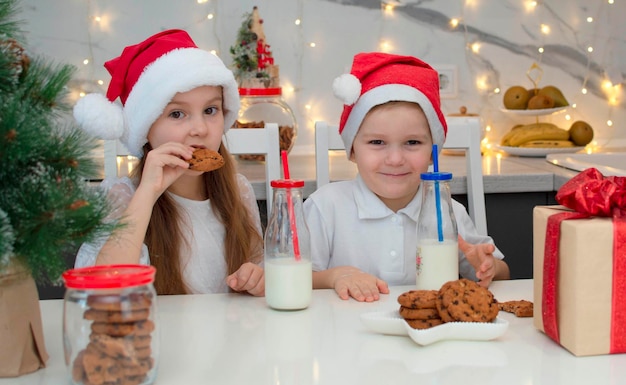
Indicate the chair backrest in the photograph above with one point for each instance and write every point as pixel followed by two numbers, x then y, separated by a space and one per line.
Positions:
pixel 327 138
pixel 258 141
pixel 463 134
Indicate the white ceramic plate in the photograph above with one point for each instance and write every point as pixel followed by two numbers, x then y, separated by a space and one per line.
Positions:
pixel 541 112
pixel 388 322
pixel 391 323
pixel 468 331
pixel 536 152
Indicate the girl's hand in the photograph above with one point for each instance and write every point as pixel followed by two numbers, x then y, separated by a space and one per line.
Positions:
pixel 249 277
pixel 163 166
pixel 363 287
pixel 481 258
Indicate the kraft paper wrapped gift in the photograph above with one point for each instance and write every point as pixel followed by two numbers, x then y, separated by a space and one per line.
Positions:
pixel 580 279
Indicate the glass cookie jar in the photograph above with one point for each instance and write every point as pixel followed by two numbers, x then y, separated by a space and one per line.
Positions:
pixel 260 105
pixel 110 332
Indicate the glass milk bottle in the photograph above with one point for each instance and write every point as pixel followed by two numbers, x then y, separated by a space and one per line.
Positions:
pixel 437 259
pixel 288 274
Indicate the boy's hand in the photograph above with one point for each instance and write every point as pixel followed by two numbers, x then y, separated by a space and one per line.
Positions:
pixel 363 287
pixel 481 258
pixel 249 277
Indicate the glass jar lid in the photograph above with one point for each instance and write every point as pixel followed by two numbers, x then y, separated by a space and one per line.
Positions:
pixel 109 276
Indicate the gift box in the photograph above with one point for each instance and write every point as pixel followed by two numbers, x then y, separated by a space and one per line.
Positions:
pixel 580 269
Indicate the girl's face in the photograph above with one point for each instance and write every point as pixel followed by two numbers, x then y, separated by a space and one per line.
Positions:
pixel 391 149
pixel 194 118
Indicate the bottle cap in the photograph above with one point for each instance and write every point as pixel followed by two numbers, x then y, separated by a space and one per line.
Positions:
pixel 287 183
pixel 436 176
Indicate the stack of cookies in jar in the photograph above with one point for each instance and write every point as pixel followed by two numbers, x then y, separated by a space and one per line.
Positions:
pixel 119 350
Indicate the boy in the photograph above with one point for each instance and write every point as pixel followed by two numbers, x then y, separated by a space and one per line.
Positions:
pixel 363 232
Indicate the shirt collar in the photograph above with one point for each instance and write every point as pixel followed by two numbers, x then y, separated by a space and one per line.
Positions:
pixel 369 206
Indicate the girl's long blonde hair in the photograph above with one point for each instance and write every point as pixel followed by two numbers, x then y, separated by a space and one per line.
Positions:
pixel 164 236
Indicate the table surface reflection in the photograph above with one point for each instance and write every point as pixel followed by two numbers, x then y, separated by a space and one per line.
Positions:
pixel 237 339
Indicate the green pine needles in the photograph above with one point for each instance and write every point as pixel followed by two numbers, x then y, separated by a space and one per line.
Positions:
pixel 47 208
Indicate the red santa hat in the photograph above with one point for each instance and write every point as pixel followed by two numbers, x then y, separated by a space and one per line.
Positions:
pixel 377 78
pixel 145 77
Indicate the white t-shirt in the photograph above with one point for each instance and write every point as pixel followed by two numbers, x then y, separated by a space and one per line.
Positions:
pixel 351 226
pixel 203 267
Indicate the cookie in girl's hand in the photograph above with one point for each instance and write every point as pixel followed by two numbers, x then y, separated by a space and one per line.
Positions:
pixel 205 160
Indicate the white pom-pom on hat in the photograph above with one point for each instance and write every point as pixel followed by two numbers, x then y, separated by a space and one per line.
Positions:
pixel 347 88
pixel 99 117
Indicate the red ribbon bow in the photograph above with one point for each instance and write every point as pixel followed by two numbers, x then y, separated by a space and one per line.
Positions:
pixel 590 194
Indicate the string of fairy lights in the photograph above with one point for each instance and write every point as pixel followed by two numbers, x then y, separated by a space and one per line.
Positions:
pixel 600 13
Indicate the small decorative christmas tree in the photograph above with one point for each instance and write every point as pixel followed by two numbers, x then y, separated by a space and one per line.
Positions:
pixel 46 205
pixel 253 64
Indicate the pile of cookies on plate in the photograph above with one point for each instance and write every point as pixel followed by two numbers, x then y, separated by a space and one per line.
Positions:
pixel 462 300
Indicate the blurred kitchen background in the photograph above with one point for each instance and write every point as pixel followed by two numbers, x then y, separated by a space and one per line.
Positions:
pixel 482 47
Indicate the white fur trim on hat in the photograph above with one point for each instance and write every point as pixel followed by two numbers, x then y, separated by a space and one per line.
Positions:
pixel 387 93
pixel 99 117
pixel 179 70
pixel 347 88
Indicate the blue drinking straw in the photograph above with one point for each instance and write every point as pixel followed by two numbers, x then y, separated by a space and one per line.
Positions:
pixel 437 194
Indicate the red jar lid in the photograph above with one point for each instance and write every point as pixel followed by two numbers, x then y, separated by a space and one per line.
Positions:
pixel 277 91
pixel 109 276
pixel 287 183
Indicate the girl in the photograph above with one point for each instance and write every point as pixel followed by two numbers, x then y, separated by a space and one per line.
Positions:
pixel 201 231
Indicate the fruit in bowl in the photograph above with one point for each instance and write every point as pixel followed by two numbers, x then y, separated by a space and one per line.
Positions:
pixel 581 133
pixel 519 98
pixel 516 98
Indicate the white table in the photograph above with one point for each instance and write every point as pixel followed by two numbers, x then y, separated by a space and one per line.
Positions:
pixel 235 339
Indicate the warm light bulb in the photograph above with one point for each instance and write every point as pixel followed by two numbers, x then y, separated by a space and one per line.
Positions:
pixel 540 49
pixel 590 49
pixel 388 7
pixel 590 19
pixel 584 91
pixel 609 123
pixel 574 105
pixel 312 45
pixel 307 106
pixel 568 117
pixel 214 52
pixel 496 90
pixel 606 84
pixel 476 47
pixel 202 1
pixel 97 19
pixel 454 22
pixel 611 1
pixel 487 129
pixel 545 29
pixel 481 83
pixel 298 21
pixel 81 94
pixel 100 82
pixel 86 61
pixel 210 16
pixel 530 5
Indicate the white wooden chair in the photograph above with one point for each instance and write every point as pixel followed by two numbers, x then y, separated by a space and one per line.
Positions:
pixel 463 134
pixel 263 141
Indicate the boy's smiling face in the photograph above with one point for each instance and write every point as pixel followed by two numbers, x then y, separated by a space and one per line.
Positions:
pixel 391 149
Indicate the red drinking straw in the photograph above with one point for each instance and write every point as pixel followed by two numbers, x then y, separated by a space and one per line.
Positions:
pixel 292 216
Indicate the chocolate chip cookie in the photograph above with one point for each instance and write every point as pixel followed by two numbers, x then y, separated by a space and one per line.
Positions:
pixel 466 301
pixel 205 160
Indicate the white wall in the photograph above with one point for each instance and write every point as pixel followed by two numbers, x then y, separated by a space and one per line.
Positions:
pixel 508 33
